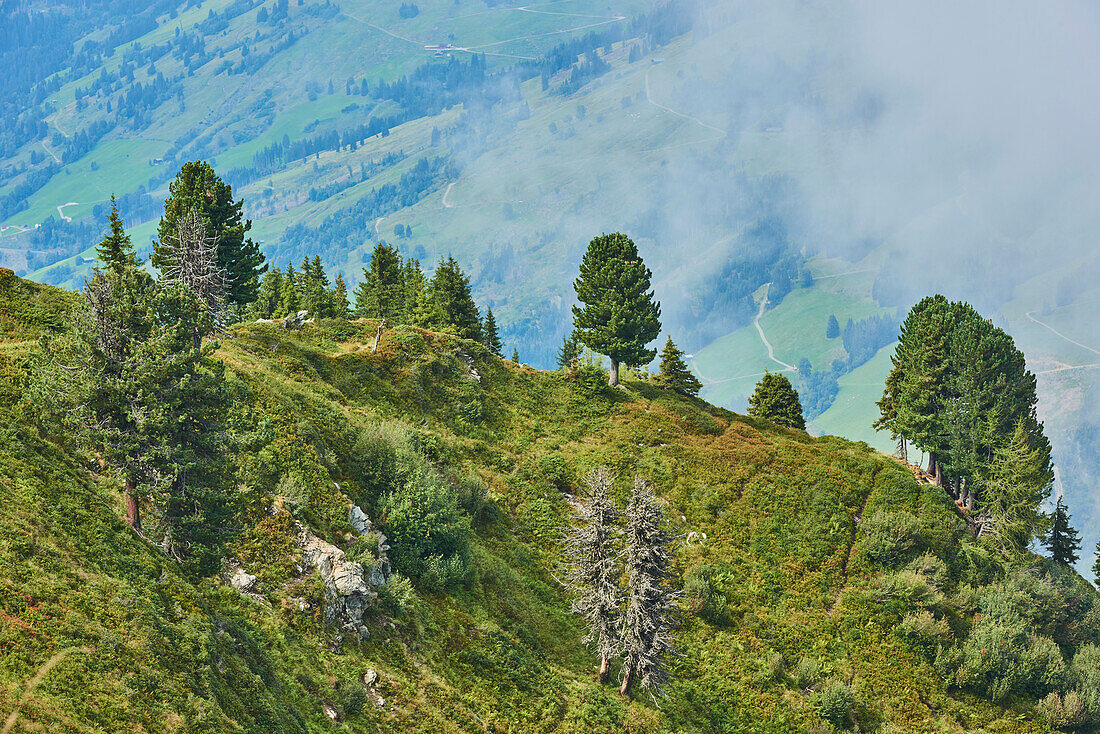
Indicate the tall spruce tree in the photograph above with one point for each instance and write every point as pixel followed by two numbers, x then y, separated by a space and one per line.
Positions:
pixel 592 570
pixel 288 292
pixel 776 400
pixel 115 251
pixel 1062 541
pixel 381 293
pixel 340 297
pixel 450 289
pixel 490 335
pixel 674 373
pixel 832 327
pixel 650 597
pixel 197 187
pixel 619 317
pixel 1096 563
pixel 266 305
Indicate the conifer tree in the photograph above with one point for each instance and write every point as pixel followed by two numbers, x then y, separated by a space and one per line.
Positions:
pixel 650 597
pixel 115 250
pixel 674 373
pixel 266 305
pixel 592 571
pixel 1019 483
pixel 416 286
pixel 1063 542
pixel 450 289
pixel 1096 563
pixel 89 379
pixel 619 317
pixel 197 187
pixel 340 297
pixel 490 334
pixel 515 355
pixel 288 292
pixel 776 400
pixel 832 327
pixel 381 294
pixel 570 350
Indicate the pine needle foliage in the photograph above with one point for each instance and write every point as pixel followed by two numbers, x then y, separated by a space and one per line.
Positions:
pixel 115 251
pixel 198 188
pixel 674 373
pixel 650 598
pixel 490 334
pixel 592 567
pixel 619 317
pixel 776 400
pixel 191 262
pixel 1063 542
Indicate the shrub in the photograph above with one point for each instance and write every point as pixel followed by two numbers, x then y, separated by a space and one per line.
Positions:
pixel 705 600
pixel 925 632
pixel 774 666
pixel 930 568
pixel 1063 712
pixel 834 702
pixel 352 698
pixel 428 531
pixel 806 672
pixel 889 536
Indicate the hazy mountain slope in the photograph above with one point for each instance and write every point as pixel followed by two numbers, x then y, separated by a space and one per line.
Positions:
pixel 780 556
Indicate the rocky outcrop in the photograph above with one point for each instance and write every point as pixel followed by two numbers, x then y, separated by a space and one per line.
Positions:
pixel 349 587
pixel 348 595
pixel 293 321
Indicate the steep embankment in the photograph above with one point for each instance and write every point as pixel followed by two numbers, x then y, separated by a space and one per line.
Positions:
pixel 785 591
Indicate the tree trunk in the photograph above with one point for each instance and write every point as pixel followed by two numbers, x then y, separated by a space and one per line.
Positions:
pixel 971 499
pixel 133 509
pixel 378 336
pixel 605 668
pixel 932 463
pixel 613 379
pixel 939 475
pixel 628 681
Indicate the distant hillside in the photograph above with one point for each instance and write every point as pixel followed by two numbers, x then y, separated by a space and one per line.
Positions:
pixel 822 581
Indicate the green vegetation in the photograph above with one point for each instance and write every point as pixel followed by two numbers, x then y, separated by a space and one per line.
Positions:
pixel 814 551
pixel 776 400
pixel 674 373
pixel 619 317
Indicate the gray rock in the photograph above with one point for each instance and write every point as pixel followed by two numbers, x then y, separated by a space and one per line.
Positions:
pixel 240 579
pixel 359 520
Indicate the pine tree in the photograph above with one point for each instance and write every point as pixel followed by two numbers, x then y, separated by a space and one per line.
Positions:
pixel 490 335
pixel 381 294
pixel 832 327
pixel 1096 563
pixel 674 373
pixel 515 356
pixel 115 250
pixel 776 400
pixel 1018 485
pixel 266 305
pixel 288 293
pixel 1063 541
pixel 416 286
pixel 450 289
pixel 619 317
pixel 592 572
pixel 197 187
pixel 650 597
pixel 313 288
pixel 570 350
pixel 340 297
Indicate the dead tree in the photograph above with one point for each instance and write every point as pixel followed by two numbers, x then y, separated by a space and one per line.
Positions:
pixel 651 598
pixel 378 336
pixel 592 570
pixel 193 263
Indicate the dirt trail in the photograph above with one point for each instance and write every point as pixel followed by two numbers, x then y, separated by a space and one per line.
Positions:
pixel 658 105
pixel 760 331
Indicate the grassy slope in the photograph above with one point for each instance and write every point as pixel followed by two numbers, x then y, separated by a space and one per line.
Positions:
pixel 142 648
